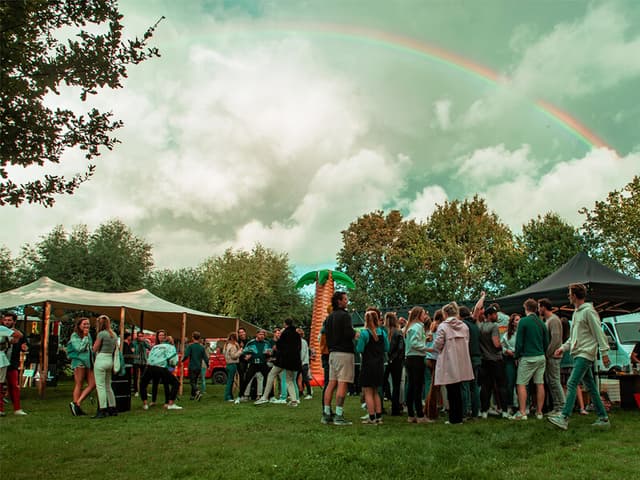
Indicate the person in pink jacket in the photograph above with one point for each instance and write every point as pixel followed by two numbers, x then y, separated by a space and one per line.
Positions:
pixel 454 363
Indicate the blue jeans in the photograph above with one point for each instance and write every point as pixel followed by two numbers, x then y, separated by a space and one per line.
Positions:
pixel 231 373
pixel 582 373
pixel 471 394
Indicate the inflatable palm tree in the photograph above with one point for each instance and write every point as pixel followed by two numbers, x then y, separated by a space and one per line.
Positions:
pixel 324 280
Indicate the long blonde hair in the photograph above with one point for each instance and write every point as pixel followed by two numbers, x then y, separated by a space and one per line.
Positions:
pixel 414 316
pixel 371 320
pixel 104 323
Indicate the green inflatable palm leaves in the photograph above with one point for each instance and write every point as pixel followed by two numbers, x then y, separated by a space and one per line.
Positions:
pixel 321 276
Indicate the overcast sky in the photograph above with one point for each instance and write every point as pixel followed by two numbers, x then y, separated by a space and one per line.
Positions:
pixel 281 122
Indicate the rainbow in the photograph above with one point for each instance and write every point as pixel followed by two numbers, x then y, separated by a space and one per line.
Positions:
pixel 437 54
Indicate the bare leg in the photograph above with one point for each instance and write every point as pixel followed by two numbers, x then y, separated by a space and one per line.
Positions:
pixel 328 394
pixel 91 385
pixel 522 398
pixel 78 376
pixel 539 398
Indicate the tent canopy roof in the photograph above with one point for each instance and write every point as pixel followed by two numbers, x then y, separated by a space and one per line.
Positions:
pixel 611 292
pixel 140 307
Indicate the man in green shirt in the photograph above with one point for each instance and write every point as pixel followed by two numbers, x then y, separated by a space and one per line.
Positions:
pixel 532 341
pixel 196 355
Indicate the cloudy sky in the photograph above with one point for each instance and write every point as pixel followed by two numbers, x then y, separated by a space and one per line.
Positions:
pixel 281 122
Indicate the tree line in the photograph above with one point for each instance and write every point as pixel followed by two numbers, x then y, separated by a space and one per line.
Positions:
pixel 460 250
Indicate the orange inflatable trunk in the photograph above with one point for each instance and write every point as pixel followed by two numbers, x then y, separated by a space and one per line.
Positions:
pixel 321 302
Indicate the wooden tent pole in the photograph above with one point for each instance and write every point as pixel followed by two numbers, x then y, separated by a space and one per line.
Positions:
pixel 237 324
pixel 121 327
pixel 182 341
pixel 44 362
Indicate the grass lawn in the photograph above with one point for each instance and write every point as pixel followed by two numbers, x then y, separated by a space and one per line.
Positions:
pixel 214 439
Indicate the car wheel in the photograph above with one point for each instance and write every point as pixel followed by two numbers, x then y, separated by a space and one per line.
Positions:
pixel 219 377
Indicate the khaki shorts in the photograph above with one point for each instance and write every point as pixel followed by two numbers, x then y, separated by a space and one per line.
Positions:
pixel 341 366
pixel 531 367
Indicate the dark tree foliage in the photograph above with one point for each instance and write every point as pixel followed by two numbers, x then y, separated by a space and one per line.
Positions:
pixel 35 64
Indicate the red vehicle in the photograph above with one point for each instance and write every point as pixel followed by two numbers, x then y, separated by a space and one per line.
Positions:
pixel 217 370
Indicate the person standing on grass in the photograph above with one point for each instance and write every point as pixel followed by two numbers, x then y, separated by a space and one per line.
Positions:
pixel 552 369
pixel 415 351
pixel 304 358
pixel 532 341
pixel 454 362
pixel 471 388
pixel 232 352
pixel 396 360
pixel 433 391
pixel 508 352
pixel 372 344
pixel 81 356
pixel 162 357
pixel 13 369
pixel 587 338
pixel 492 372
pixel 196 355
pixel 104 346
pixel 141 349
pixel 286 360
pixel 256 351
pixel 340 336
pixel 8 336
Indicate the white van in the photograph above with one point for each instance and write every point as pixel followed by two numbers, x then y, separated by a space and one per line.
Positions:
pixel 623 332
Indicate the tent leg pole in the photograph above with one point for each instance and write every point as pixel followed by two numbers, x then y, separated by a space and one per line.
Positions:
pixel 182 340
pixel 44 370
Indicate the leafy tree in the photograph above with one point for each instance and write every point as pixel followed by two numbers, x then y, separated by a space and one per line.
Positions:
pixel 112 259
pixel 611 229
pixel 469 250
pixel 185 286
pixel 35 64
pixel 8 279
pixel 385 257
pixel 257 286
pixel 546 243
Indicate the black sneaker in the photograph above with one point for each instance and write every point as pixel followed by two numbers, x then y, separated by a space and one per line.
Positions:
pixel 327 419
pixel 72 407
pixel 198 396
pixel 79 411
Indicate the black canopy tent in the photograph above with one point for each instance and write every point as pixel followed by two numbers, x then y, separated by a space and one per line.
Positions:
pixel 612 293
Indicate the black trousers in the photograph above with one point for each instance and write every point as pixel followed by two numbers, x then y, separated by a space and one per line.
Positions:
pixel 394 371
pixel 415 377
pixel 493 379
pixel 454 394
pixel 194 375
pixel 153 373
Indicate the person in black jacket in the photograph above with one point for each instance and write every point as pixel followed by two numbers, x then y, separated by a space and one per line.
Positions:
pixel 396 360
pixel 340 336
pixel 287 359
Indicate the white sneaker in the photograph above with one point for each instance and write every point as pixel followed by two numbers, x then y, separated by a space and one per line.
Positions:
pixel 506 415
pixel 145 407
pixel 293 403
pixel 484 415
pixel 364 407
pixel 309 397
pixel 279 401
pixel 236 401
pixel 364 417
pixel 261 401
pixel 173 406
pixel 20 412
pixel 136 394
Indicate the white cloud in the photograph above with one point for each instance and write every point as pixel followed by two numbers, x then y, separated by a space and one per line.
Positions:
pixel 566 188
pixel 488 166
pixel 337 195
pixel 581 57
pixel 442 110
pixel 426 201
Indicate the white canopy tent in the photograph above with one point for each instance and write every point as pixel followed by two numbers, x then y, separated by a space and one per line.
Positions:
pixel 140 308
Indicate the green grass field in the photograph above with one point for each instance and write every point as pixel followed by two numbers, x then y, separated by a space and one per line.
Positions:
pixel 214 439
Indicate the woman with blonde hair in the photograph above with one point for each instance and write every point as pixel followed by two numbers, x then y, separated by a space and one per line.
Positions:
pixel 415 351
pixel 433 394
pixel 104 346
pixel 232 352
pixel 81 356
pixel 372 344
pixel 454 362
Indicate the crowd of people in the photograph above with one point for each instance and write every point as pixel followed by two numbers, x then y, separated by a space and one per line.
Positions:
pixel 457 361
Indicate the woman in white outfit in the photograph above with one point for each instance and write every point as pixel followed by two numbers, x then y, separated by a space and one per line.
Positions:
pixel 104 346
